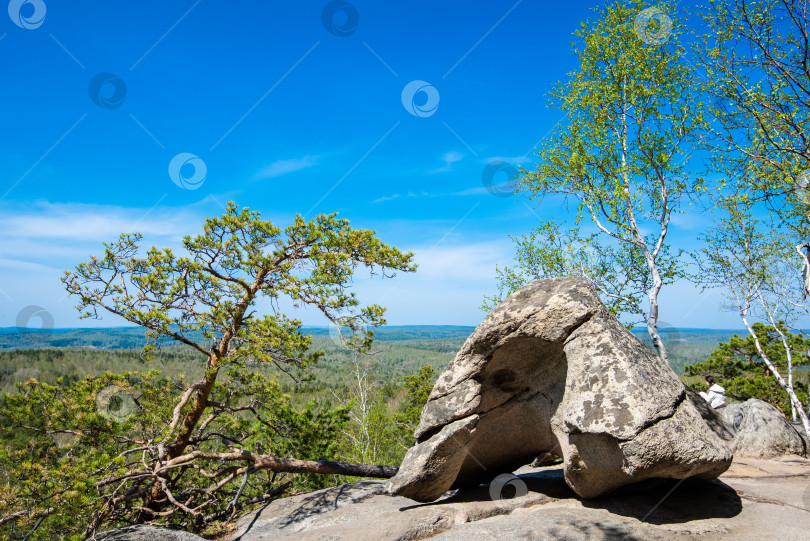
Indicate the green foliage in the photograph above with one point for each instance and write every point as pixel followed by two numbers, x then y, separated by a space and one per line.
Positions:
pixel 237 260
pixel 383 432
pixel 70 445
pixel 73 365
pixel 618 272
pixel 399 351
pixel 737 366
pixel 755 57
pixel 295 420
pixel 116 337
pixel 56 441
pixel 372 438
pixel 622 84
pixel 190 453
pixel 418 388
pixel 133 337
pixel 633 118
pixel 686 346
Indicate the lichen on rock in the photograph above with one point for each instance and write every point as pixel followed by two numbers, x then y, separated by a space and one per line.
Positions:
pixel 551 371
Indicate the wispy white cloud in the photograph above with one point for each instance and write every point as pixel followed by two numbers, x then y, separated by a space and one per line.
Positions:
pixel 448 286
pixel 80 222
pixel 283 167
pixel 691 221
pixel 463 262
pixel 41 240
pixel 22 265
pixel 58 236
pixel 449 159
pixel 387 198
pixel 400 196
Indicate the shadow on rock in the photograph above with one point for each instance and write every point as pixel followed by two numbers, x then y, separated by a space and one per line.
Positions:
pixel 293 514
pixel 575 530
pixel 655 501
pixel 669 501
pixel 542 487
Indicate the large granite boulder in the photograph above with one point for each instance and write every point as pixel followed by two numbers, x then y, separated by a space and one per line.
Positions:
pixel 550 370
pixel 761 431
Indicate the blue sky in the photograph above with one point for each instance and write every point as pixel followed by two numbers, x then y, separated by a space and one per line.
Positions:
pixel 287 117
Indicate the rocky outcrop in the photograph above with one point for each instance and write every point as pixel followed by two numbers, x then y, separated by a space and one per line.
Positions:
pixel 550 370
pixel 754 500
pixel 363 512
pixel 761 431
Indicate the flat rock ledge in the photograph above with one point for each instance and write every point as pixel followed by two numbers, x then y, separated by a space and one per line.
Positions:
pixel 754 500
pixel 550 372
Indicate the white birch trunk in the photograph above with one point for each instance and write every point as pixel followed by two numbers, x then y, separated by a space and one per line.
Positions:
pixel 649 258
pixel 794 400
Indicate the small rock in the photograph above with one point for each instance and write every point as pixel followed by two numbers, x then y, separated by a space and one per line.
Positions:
pixel 761 431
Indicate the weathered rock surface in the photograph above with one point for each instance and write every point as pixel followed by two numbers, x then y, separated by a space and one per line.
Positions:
pixel 147 533
pixel 363 512
pixel 550 370
pixel 798 427
pixel 753 500
pixel 761 431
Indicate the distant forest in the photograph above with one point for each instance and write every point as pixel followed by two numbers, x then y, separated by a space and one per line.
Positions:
pixel 76 353
pixel 399 351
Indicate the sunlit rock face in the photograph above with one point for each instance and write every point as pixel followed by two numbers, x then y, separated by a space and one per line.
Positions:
pixel 550 370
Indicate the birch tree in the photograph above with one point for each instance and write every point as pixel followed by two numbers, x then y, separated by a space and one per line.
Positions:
pixel 751 264
pixel 757 60
pixel 366 435
pixel 633 118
